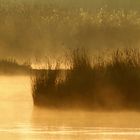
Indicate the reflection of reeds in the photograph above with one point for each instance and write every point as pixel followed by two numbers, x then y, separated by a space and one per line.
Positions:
pixel 113 84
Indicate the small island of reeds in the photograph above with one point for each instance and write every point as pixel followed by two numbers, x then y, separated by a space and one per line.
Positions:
pixel 10 66
pixel 111 84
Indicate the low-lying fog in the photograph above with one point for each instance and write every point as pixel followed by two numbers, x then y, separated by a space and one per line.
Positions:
pixel 32 30
pixel 19 118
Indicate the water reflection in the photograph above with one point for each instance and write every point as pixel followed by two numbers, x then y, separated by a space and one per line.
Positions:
pixel 20 120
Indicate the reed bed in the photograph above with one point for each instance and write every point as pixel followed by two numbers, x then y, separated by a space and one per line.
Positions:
pixel 113 84
pixel 12 67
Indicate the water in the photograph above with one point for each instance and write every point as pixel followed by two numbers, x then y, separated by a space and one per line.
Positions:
pixel 20 120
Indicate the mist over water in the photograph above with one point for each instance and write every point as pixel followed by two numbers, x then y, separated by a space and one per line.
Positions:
pixel 21 120
pixel 35 30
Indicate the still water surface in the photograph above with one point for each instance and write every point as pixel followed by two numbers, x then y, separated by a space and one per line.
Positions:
pixel 20 120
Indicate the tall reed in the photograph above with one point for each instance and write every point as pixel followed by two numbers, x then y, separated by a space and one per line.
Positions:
pixel 110 85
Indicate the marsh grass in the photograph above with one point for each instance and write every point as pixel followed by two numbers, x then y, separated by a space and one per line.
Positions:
pixel 112 84
pixel 124 73
pixel 12 67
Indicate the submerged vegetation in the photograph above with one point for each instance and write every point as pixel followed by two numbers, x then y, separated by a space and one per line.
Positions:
pixel 106 84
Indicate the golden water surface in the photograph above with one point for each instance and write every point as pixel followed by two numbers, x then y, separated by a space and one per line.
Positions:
pixel 20 120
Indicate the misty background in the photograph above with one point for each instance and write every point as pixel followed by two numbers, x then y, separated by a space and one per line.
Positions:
pixel 35 29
